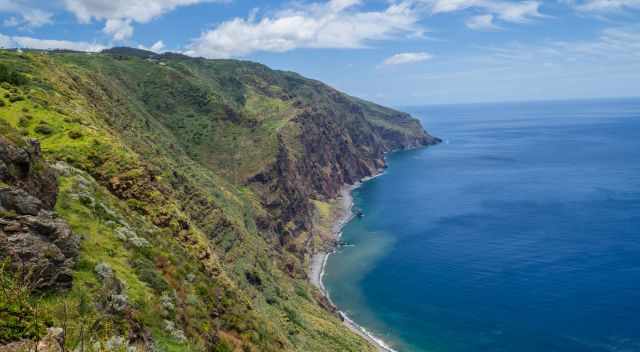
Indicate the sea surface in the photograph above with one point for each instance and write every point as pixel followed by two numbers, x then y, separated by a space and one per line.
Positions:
pixel 521 232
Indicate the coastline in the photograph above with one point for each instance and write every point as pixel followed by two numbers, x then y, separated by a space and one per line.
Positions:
pixel 318 264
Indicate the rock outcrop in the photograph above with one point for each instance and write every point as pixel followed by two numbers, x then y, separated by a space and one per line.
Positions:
pixel 38 244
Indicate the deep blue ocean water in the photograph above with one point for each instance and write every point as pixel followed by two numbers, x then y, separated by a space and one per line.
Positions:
pixel 521 232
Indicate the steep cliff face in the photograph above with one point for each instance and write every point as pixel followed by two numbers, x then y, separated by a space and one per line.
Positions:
pixel 192 183
pixel 339 141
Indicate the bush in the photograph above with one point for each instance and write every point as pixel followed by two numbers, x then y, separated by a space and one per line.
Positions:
pixel 75 134
pixel 14 98
pixel 18 313
pixel 24 121
pixel 44 129
pixel 10 76
pixel 147 272
pixel 2 103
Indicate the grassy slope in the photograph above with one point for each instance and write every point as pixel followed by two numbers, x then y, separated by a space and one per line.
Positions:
pixel 161 150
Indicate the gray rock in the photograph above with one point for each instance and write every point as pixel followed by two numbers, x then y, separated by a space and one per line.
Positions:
pixel 19 201
pixel 4 171
pixel 41 246
pixel 104 271
pixel 118 303
pixel 63 168
pixel 37 243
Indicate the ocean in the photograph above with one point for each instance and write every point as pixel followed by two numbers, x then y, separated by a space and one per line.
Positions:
pixel 520 232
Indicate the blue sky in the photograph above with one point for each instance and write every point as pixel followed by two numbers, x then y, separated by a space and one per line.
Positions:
pixel 395 52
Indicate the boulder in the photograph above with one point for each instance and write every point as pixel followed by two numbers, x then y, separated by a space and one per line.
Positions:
pixel 19 201
pixel 23 168
pixel 42 247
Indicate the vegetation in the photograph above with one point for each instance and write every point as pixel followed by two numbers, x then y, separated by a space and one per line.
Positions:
pixel 18 309
pixel 11 76
pixel 178 249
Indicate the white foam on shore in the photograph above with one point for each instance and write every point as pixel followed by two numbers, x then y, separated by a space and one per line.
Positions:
pixel 318 279
pixel 380 344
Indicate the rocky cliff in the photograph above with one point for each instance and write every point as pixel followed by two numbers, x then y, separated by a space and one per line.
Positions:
pixel 32 238
pixel 177 196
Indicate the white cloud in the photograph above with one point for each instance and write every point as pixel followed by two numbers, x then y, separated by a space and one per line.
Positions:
pixel 407 58
pixel 119 29
pixel 481 23
pixel 47 44
pixel 507 11
pixel 139 11
pixel 11 22
pixel 119 14
pixel 604 5
pixel 614 45
pixel 516 12
pixel 510 11
pixel 27 16
pixel 157 47
pixel 5 41
pixel 333 24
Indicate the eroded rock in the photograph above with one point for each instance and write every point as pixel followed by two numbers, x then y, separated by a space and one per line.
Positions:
pixel 39 245
pixel 42 247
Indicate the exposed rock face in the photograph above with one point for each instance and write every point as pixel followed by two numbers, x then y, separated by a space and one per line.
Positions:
pixel 41 246
pixel 334 147
pixel 23 168
pixel 38 243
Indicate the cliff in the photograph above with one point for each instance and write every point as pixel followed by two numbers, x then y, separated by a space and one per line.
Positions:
pixel 189 187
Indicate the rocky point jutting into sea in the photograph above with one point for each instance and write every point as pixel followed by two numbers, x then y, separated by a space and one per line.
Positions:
pixel 173 203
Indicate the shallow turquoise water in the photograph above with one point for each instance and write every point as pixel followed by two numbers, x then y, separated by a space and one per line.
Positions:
pixel 520 233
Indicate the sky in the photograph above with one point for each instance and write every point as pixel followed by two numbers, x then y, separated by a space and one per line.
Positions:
pixel 394 52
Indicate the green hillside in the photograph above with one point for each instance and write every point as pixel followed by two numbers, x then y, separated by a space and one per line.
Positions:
pixel 190 189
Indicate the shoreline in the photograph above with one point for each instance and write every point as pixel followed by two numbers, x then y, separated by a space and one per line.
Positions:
pixel 319 261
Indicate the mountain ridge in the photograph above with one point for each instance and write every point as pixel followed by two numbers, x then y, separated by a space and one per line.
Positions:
pixel 194 186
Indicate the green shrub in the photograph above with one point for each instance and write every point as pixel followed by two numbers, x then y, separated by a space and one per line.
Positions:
pixel 2 103
pixel 25 110
pixel 24 121
pixel 14 98
pixel 293 316
pixel 147 272
pixel 18 313
pixel 44 129
pixel 75 134
pixel 222 346
pixel 10 76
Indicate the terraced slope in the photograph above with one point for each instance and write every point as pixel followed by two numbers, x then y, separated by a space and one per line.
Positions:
pixel 191 186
